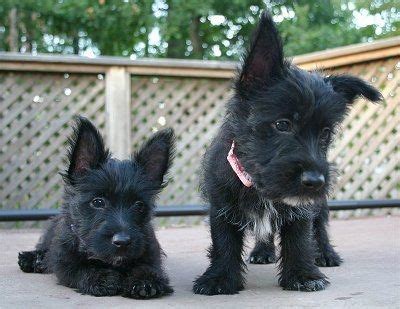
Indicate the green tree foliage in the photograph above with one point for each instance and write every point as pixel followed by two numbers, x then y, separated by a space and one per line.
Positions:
pixel 73 26
pixel 202 29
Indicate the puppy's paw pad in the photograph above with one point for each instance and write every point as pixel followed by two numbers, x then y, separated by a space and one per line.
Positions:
pixel 214 286
pixel 144 289
pixel 264 258
pixel 311 285
pixel 328 259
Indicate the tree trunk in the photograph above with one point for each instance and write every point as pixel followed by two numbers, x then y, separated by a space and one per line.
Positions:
pixel 176 46
pixel 195 37
pixel 30 32
pixel 13 33
pixel 146 47
pixel 75 44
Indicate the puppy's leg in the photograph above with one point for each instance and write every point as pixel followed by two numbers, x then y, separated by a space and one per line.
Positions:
pixel 87 278
pixel 146 281
pixel 32 261
pixel 297 268
pixel 36 261
pixel 327 256
pixel 225 273
pixel 264 251
pixel 96 281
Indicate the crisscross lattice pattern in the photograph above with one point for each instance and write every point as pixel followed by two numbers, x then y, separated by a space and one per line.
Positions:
pixel 35 114
pixel 193 107
pixel 36 109
pixel 367 150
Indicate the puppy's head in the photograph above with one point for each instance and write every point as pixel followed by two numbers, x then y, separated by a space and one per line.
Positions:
pixel 285 118
pixel 110 202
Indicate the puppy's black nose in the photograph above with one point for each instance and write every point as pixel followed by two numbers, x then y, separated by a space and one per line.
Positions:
pixel 312 180
pixel 121 240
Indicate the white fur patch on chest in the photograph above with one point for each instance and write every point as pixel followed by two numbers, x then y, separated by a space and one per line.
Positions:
pixel 297 202
pixel 262 226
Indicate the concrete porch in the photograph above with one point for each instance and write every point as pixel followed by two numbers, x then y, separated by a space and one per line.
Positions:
pixel 369 277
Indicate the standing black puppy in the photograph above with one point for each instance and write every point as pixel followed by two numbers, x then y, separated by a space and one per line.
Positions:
pixel 267 169
pixel 103 242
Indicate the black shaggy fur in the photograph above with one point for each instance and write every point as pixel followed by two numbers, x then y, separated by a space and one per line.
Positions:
pixel 103 242
pixel 282 120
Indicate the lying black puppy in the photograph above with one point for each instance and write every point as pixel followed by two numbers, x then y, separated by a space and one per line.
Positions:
pixel 103 242
pixel 267 168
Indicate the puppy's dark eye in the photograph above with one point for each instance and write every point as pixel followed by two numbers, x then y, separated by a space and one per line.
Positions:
pixel 283 125
pixel 139 205
pixel 325 135
pixel 98 202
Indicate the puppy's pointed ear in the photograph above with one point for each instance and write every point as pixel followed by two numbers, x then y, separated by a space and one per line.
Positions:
pixel 155 156
pixel 352 87
pixel 265 58
pixel 87 149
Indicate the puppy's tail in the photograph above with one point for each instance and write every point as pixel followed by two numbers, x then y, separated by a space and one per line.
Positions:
pixel 32 261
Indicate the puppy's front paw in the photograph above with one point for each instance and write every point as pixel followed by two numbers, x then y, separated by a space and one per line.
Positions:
pixel 328 258
pixel 214 285
pixel 26 261
pixel 144 289
pixel 262 257
pixel 31 261
pixel 102 283
pixel 305 284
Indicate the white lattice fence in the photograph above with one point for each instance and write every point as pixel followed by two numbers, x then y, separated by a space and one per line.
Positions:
pixel 35 114
pixel 367 152
pixel 193 107
pixel 129 100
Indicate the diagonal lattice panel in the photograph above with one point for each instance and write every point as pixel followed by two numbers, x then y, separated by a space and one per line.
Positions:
pixel 36 109
pixel 35 121
pixel 193 107
pixel 367 151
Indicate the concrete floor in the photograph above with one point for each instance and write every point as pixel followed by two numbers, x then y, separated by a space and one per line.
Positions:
pixel 370 276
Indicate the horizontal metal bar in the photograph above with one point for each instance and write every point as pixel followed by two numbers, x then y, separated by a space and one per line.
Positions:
pixel 192 210
pixel 362 204
pixel 27 214
pixel 184 210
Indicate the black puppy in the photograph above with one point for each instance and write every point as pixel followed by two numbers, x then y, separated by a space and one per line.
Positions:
pixel 103 242
pixel 267 168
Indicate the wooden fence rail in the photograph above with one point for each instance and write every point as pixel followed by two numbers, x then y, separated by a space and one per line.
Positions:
pixel 130 99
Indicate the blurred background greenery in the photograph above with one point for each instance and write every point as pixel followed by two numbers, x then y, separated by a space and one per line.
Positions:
pixel 201 29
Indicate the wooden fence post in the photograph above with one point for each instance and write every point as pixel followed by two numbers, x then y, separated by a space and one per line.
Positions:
pixel 118 111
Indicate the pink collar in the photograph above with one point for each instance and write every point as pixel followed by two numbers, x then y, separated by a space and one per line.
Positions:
pixel 238 168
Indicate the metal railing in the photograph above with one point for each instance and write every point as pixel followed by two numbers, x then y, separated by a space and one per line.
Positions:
pixel 193 210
